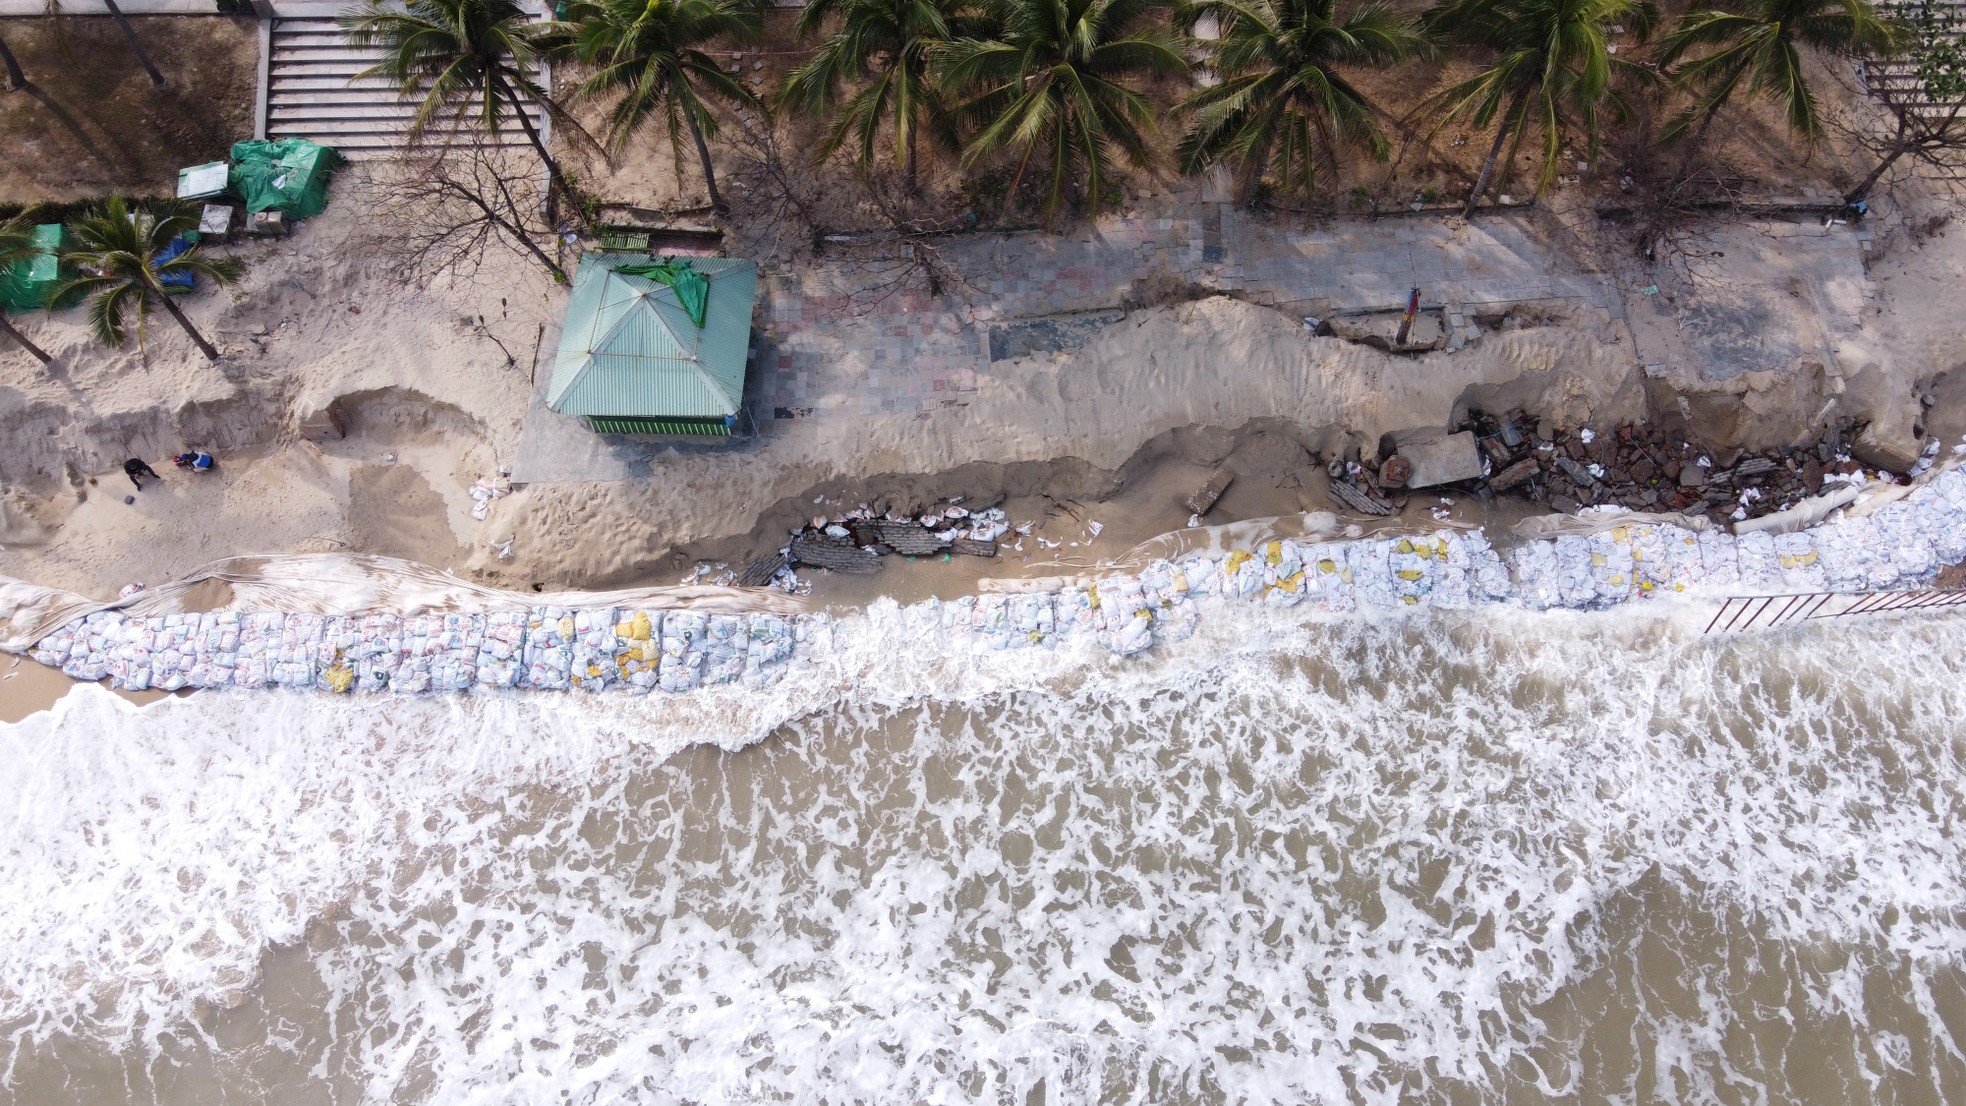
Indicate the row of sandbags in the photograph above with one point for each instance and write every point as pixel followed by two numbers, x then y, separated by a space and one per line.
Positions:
pixel 1900 544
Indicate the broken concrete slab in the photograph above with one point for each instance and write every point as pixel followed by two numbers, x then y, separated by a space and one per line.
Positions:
pixel 1894 454
pixel 1438 457
pixel 1204 498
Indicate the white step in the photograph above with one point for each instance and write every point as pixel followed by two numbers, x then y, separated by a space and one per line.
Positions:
pixel 390 110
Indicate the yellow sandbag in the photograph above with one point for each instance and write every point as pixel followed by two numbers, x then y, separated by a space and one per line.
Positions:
pixel 1237 558
pixel 1598 560
pixel 1404 546
pixel 1327 566
pixel 565 626
pixel 1410 574
pixel 637 628
pixel 1273 553
pixel 339 678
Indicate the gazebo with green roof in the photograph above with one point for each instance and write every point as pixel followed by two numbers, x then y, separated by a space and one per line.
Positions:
pixel 655 347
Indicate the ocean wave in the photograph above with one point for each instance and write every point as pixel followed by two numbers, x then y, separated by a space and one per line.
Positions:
pixel 1290 859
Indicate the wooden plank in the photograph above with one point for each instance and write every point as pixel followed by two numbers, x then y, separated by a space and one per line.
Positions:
pixel 820 551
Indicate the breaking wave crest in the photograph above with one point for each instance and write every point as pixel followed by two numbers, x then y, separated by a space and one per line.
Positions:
pixel 1521 856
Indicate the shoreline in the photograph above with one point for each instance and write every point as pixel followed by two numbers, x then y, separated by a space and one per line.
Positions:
pixel 1890 539
pixel 27 689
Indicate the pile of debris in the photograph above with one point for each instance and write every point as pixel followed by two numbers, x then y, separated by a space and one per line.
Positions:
pixel 855 541
pixel 1634 466
pixel 1639 468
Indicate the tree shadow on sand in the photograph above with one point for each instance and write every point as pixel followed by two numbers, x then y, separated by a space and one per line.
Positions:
pixel 91 145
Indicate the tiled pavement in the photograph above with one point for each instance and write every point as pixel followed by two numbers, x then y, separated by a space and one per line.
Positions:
pixel 821 347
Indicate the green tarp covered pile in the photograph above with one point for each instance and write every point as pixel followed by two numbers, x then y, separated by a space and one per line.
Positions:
pixel 289 175
pixel 692 288
pixel 27 285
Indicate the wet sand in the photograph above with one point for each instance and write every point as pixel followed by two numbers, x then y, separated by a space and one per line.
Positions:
pixel 27 687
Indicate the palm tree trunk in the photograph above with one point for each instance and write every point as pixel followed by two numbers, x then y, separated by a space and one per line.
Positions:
pixel 1494 151
pixel 16 80
pixel 559 185
pixel 136 47
pixel 709 174
pixel 1862 191
pixel 1694 143
pixel 210 351
pixel 8 328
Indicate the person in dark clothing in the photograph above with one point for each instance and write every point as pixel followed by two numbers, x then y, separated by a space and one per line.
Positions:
pixel 134 467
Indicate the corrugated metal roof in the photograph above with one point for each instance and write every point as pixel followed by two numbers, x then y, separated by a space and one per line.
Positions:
pixel 629 348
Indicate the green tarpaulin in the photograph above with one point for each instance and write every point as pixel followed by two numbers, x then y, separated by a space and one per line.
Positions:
pixel 289 175
pixel 27 285
pixel 692 288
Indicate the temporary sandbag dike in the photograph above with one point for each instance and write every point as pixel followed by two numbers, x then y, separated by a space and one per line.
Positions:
pixel 342 624
pixel 288 175
pixel 345 584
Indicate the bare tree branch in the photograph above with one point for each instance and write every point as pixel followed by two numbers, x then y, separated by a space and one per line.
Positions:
pixel 444 213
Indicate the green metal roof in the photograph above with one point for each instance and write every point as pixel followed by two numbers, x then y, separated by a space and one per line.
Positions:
pixel 630 349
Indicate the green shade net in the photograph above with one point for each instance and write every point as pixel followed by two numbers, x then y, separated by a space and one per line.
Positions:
pixel 692 288
pixel 289 175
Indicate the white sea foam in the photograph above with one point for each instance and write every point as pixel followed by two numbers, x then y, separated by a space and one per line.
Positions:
pixel 1285 861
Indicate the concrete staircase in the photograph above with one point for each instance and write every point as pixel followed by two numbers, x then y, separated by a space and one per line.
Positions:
pixel 1898 82
pixel 312 91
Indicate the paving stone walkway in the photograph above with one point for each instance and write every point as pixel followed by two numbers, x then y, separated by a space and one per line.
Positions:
pixel 823 348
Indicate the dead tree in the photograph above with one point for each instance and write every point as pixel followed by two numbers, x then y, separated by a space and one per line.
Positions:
pixel 444 213
pixel 1923 97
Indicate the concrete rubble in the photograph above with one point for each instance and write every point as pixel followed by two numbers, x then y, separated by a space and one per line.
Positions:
pixel 1904 542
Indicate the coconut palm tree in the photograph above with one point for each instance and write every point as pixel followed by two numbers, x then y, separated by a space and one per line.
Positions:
pixel 115 253
pixel 883 46
pixel 1055 81
pixel 1552 70
pixel 1715 54
pixel 16 80
pixel 1281 94
pixel 648 56
pixel 17 248
pixel 136 46
pixel 478 56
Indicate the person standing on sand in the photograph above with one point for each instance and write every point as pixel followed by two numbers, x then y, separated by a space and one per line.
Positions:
pixel 134 467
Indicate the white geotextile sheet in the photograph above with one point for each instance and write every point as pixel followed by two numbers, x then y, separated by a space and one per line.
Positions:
pixel 344 584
